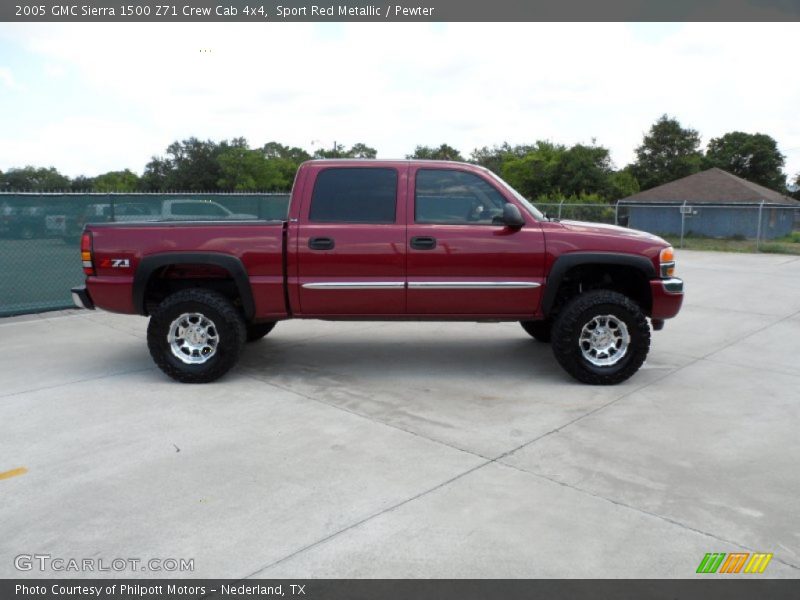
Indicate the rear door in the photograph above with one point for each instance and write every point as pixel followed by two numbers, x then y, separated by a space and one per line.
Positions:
pixel 461 259
pixel 351 242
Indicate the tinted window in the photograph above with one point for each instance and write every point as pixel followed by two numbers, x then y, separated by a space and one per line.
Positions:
pixel 354 195
pixel 448 196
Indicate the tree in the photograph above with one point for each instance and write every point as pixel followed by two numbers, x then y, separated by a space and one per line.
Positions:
pixel 116 181
pixel 157 175
pixel 245 169
pixel 362 151
pixel 668 152
pixel 494 158
pixel 535 173
pixel 81 183
pixel 273 150
pixel 35 179
pixel 190 165
pixel 795 191
pixel 546 170
pixel 443 152
pixel 358 150
pixel 752 156
pixel 622 184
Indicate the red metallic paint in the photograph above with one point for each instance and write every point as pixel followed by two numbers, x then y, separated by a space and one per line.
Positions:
pixel 376 253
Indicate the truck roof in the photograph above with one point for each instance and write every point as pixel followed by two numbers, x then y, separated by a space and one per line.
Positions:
pixel 390 162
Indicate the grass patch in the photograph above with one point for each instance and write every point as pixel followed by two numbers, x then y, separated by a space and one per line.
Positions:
pixel 786 245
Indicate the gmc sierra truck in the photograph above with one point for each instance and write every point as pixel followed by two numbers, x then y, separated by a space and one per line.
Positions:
pixel 386 240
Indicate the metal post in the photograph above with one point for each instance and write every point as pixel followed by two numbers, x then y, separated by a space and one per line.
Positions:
pixel 683 221
pixel 616 213
pixel 559 208
pixel 758 231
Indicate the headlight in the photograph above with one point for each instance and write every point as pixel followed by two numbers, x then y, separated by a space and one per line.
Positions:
pixel 667 260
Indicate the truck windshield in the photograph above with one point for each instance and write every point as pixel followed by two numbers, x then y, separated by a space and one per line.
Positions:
pixel 537 214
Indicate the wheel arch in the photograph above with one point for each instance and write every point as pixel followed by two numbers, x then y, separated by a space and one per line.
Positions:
pixel 150 265
pixel 568 262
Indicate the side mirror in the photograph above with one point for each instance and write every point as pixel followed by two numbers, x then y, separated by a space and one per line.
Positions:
pixel 512 217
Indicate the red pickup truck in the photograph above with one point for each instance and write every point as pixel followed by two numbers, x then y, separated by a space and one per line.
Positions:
pixel 386 240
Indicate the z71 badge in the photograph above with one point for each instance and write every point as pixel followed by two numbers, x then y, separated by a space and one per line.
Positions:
pixel 116 263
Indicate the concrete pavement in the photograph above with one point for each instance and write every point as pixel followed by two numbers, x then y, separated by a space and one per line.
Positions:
pixel 412 449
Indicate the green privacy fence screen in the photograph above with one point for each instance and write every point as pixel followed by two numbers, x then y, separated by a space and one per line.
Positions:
pixel 39 234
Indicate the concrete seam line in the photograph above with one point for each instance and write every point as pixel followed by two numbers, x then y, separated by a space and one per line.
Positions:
pixel 35 318
pixel 366 519
pixel 751 367
pixel 732 310
pixel 369 418
pixel 66 383
pixel 112 327
pixel 594 410
pixel 752 333
pixel 641 510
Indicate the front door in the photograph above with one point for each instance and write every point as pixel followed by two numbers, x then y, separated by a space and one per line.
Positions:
pixel 461 259
pixel 351 240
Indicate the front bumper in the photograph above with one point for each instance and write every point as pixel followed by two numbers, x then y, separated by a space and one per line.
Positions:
pixel 667 295
pixel 81 298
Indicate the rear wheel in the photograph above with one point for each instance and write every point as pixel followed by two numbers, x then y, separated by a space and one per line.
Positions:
pixel 196 335
pixel 540 330
pixel 256 331
pixel 601 337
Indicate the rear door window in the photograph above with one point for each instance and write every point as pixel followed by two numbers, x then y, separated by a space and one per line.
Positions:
pixel 354 195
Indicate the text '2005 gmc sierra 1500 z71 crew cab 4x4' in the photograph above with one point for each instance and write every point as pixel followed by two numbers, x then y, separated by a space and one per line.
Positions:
pixel 386 240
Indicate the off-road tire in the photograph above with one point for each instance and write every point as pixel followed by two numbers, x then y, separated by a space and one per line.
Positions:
pixel 581 310
pixel 539 330
pixel 229 324
pixel 256 331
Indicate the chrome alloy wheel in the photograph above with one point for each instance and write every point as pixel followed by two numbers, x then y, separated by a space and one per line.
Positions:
pixel 193 338
pixel 604 340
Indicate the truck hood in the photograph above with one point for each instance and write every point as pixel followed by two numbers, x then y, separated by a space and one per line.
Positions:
pixel 615 230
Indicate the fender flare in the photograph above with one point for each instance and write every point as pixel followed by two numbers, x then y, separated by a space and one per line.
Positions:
pixel 149 264
pixel 565 262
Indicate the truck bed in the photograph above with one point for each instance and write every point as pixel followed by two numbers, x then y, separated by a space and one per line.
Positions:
pixel 120 249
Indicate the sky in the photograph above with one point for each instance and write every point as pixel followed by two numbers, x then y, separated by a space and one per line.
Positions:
pixel 87 98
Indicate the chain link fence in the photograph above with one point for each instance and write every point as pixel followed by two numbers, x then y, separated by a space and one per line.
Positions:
pixel 758 227
pixel 40 234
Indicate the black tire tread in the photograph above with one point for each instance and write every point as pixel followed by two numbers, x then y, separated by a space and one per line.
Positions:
pixel 541 331
pixel 256 331
pixel 565 346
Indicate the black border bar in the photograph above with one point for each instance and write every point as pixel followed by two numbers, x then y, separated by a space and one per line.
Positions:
pixel 271 11
pixel 703 588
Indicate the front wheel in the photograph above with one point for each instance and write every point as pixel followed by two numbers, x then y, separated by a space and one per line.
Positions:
pixel 195 335
pixel 601 337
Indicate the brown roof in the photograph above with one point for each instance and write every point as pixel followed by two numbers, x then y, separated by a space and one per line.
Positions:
pixel 713 186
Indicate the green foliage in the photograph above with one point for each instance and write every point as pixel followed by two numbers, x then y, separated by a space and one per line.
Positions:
pixel 493 158
pixel 443 152
pixel 34 179
pixel 115 181
pixel 752 156
pixel 547 170
pixel 667 152
pixel 81 183
pixel 622 184
pixel 190 165
pixel 245 169
pixel 358 150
